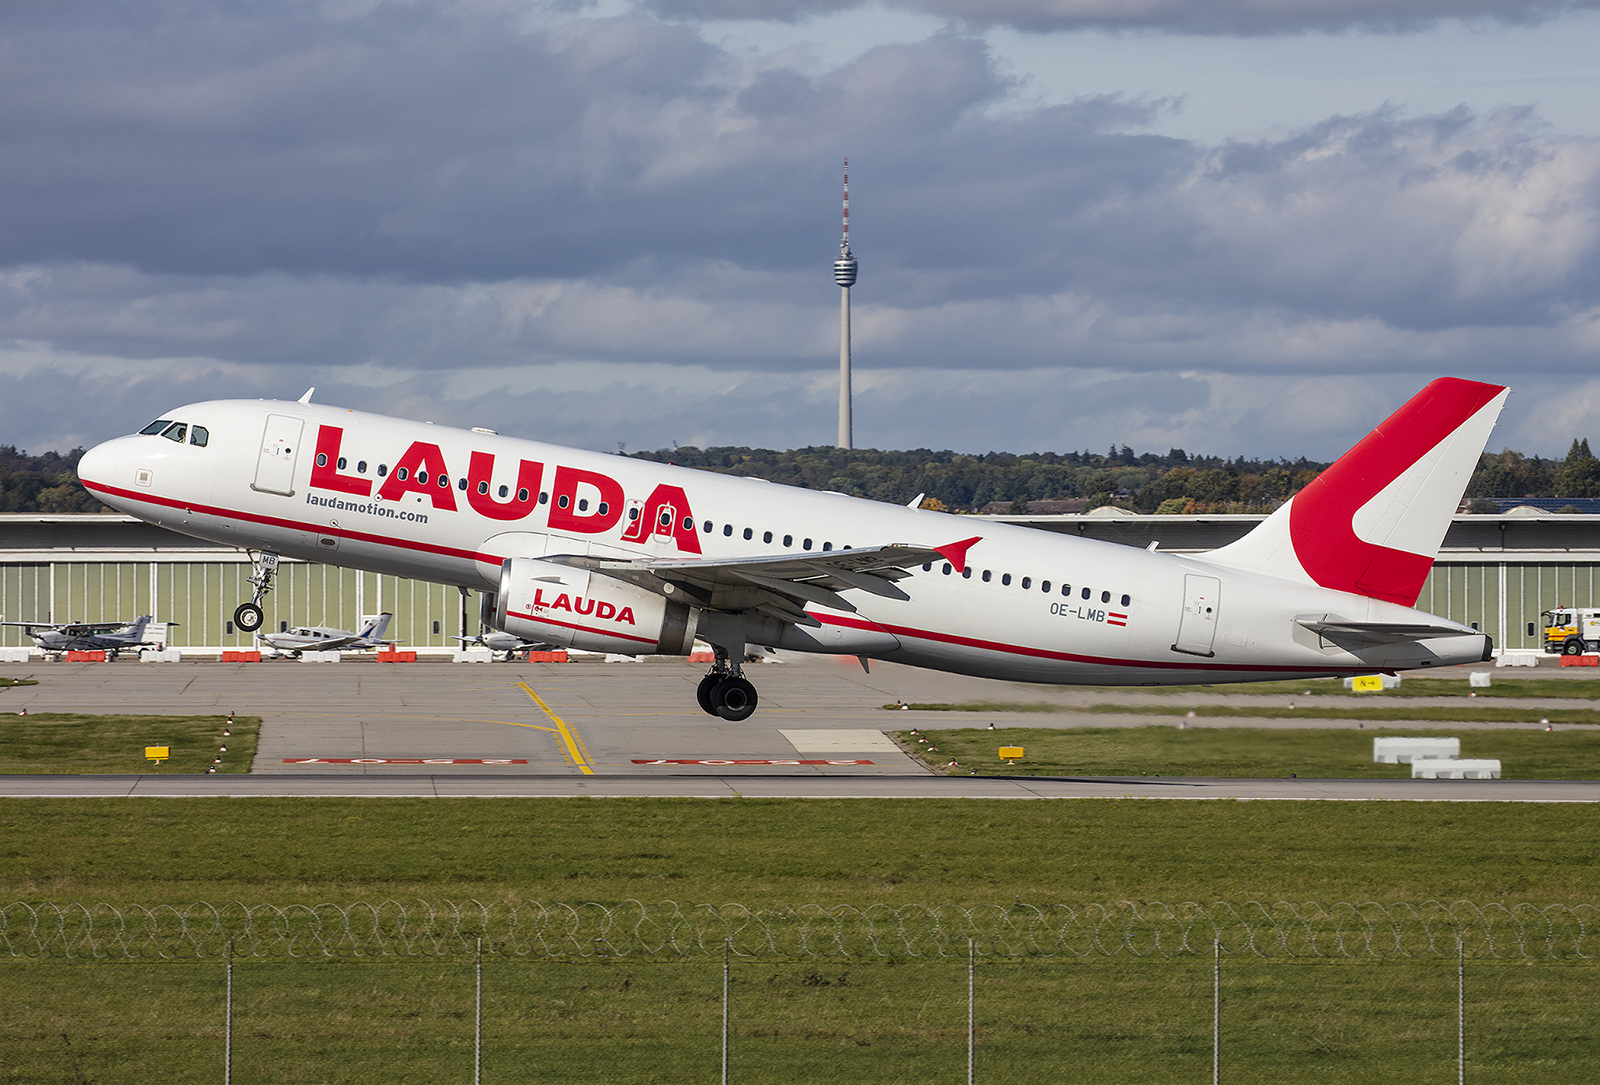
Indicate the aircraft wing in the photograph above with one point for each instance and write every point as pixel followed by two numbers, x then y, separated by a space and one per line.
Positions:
pixel 1341 632
pixel 780 584
pixel 71 629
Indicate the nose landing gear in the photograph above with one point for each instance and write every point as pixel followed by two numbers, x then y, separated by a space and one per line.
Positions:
pixel 725 691
pixel 247 617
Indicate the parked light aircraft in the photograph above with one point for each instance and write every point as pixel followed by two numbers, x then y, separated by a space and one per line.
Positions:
pixel 497 641
pixel 113 637
pixel 600 552
pixel 321 638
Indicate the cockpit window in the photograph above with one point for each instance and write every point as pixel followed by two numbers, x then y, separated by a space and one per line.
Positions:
pixel 176 432
pixel 157 426
pixel 199 436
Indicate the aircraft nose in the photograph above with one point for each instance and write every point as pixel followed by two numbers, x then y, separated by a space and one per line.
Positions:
pixel 98 467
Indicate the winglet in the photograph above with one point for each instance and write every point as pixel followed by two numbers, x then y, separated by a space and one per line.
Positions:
pixel 956 553
pixel 307 397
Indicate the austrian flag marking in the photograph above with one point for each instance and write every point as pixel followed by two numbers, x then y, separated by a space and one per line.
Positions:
pixel 1113 618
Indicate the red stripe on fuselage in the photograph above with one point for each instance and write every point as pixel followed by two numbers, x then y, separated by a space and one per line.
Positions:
pixel 582 628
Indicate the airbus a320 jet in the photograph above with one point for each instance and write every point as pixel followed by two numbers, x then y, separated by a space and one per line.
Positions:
pixel 608 554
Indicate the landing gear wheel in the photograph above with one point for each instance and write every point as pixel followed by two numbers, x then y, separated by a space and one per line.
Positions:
pixel 248 617
pixel 734 699
pixel 703 694
pixel 1573 647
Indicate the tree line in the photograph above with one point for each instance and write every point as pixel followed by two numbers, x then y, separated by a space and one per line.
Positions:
pixel 1005 482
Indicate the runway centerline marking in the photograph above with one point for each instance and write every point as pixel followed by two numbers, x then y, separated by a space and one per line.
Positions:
pixel 575 749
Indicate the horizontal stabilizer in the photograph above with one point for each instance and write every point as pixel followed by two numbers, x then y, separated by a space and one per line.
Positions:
pixel 1342 632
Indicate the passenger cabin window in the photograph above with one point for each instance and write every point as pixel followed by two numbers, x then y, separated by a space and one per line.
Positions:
pixel 827 546
pixel 1126 599
pixel 200 435
pixel 766 536
pixel 1044 586
pixel 1086 593
pixel 727 529
pixel 947 568
pixel 748 533
pixel 1005 579
pixel 1105 597
pixel 1066 589
pixel 788 541
pixel 986 576
pixel 806 545
pixel 361 467
pixel 156 427
pixel 1027 582
pixel 176 432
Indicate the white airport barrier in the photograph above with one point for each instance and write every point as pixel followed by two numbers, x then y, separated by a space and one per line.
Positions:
pixel 14 655
pixel 615 657
pixel 1400 751
pixel 319 657
pixel 160 655
pixel 1390 681
pixel 1452 768
pixel 1478 679
pixel 1517 659
pixel 473 655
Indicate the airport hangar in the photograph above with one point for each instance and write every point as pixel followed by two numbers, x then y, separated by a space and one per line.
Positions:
pixel 1497 572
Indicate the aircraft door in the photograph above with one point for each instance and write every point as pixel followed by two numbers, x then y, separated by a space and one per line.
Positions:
pixel 1197 628
pixel 280 448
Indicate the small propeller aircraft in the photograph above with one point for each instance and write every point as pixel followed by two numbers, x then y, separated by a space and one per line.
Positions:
pixel 321 638
pixel 112 637
pixel 508 643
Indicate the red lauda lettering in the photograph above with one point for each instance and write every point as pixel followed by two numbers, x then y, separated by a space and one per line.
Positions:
pixel 580 601
pixel 564 513
pixel 325 466
pixel 667 513
pixel 422 461
pixel 604 609
pixel 626 615
pixel 561 603
pixel 480 477
pixel 538 599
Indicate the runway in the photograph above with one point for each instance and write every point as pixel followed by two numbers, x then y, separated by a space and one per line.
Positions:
pixel 627 729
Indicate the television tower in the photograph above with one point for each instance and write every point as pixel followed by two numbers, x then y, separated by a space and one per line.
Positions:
pixel 844 273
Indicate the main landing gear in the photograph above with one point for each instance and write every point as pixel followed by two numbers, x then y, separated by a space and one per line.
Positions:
pixel 247 617
pixel 725 691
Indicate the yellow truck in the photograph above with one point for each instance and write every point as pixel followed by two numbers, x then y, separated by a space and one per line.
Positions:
pixel 1570 631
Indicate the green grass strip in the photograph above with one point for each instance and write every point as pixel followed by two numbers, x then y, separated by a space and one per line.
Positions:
pixel 1237 752
pixel 7 683
pixel 1411 685
pixel 1282 712
pixel 61 742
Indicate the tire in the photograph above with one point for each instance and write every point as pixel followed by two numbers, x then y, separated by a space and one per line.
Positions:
pixel 1573 647
pixel 703 693
pixel 248 617
pixel 734 699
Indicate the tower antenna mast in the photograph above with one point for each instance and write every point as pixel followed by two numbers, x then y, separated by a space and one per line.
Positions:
pixel 844 273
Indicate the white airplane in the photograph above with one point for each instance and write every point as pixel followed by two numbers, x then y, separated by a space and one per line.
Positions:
pixel 113 637
pixel 497 641
pixel 599 552
pixel 321 638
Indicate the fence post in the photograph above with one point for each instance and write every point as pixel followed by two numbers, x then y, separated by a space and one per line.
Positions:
pixel 1461 1012
pixel 727 951
pixel 477 1027
pixel 227 1028
pixel 972 1029
pixel 1216 1011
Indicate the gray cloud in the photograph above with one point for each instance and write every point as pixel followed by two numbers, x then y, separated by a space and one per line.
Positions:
pixel 1177 16
pixel 606 229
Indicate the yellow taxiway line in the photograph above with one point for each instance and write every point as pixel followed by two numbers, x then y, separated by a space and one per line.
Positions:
pixel 575 748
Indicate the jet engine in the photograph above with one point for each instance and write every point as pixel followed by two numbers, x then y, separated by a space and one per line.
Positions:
pixel 558 604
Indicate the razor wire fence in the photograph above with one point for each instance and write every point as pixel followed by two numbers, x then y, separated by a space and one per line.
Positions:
pixel 670 929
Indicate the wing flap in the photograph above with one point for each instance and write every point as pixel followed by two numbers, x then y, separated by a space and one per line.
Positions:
pixel 1340 631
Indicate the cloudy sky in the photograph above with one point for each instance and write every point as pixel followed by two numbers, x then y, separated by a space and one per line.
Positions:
pixel 1233 226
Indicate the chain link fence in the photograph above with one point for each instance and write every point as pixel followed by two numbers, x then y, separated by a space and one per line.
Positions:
pixel 671 929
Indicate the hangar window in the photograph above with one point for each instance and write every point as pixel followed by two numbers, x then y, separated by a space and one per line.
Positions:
pixel 177 432
pixel 157 426
pixel 1126 599
pixel 1005 578
pixel 200 436
pixel 522 495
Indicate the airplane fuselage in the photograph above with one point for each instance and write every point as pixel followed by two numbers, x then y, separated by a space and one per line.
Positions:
pixel 448 505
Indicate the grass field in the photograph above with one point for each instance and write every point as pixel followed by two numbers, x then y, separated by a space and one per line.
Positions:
pixel 7 683
pixel 1239 751
pixel 1467 713
pixel 63 742
pixel 1412 685
pixel 1119 1020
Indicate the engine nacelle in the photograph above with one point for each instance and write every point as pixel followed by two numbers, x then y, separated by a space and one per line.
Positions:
pixel 558 604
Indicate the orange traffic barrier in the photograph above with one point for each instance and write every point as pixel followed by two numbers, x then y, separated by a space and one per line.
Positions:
pixel 86 657
pixel 396 656
pixel 1580 661
pixel 241 657
pixel 547 657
